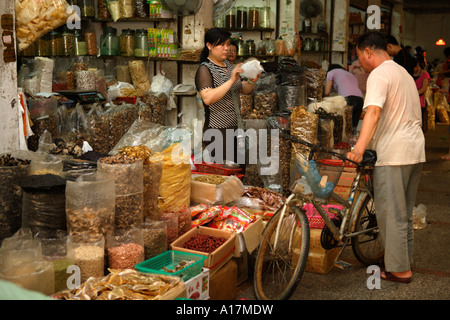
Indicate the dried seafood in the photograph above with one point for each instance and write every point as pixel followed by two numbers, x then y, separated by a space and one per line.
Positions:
pixel 269 200
pixel 125 284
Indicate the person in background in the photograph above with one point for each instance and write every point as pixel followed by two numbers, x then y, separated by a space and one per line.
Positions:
pixel 346 85
pixel 361 75
pixel 444 75
pixel 422 79
pixel 408 50
pixel 391 127
pixel 400 56
pixel 232 52
pixel 219 85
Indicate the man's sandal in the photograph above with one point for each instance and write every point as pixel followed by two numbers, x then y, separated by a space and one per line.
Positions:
pixel 386 275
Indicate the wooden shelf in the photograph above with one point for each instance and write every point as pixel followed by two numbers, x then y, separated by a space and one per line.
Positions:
pixel 136 19
pixel 249 30
pixel 317 34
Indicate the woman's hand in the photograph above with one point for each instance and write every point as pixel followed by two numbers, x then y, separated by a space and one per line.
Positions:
pixel 257 77
pixel 235 74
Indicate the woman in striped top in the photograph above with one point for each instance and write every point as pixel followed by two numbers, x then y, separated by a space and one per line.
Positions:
pixel 219 85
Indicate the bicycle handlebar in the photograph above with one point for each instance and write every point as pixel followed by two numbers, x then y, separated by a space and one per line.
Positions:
pixel 369 157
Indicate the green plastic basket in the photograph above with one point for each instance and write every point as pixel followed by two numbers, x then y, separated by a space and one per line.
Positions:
pixel 170 259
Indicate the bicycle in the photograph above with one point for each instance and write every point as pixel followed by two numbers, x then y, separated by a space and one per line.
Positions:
pixel 283 250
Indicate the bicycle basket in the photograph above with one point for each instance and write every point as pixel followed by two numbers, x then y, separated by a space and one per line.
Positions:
pixel 321 176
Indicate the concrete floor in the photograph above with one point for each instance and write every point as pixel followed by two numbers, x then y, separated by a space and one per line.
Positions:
pixel 431 279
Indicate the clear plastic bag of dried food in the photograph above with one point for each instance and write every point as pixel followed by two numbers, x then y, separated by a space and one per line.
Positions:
pixel 155 237
pixel 291 96
pixel 152 178
pixel 142 132
pixel 161 84
pixel 315 79
pixel 98 124
pixel 304 126
pixel 125 248
pixel 115 118
pixel 90 204
pixel 89 254
pixel 35 18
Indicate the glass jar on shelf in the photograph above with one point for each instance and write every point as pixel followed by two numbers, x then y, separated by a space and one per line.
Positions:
pixel 56 44
pixel 230 19
pixel 80 44
pixel 219 22
pixel 241 17
pixel 317 44
pixel 141 43
pixel 91 43
pixel 68 39
pixel 264 17
pixel 102 8
pixel 251 47
pixel 109 42
pixel 307 44
pixel 87 8
pixel 43 49
pixel 242 50
pixel 127 43
pixel 253 18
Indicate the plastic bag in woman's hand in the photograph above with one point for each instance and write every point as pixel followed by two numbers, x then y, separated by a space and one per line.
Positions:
pixel 251 69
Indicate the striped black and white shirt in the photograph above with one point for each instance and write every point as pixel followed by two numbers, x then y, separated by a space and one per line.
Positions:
pixel 220 114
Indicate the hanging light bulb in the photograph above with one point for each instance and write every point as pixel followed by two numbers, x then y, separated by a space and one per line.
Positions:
pixel 440 42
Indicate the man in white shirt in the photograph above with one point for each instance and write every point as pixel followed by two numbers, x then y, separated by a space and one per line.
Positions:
pixel 391 127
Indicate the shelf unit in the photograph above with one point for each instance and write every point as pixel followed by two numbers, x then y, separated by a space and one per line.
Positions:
pixel 325 52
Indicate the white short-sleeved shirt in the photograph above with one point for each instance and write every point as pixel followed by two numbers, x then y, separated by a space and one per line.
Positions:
pixel 399 139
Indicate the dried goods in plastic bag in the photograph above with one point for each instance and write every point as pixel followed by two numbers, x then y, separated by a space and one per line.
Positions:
pixel 34 18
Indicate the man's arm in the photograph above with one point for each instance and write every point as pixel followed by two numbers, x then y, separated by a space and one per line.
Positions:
pixel 368 128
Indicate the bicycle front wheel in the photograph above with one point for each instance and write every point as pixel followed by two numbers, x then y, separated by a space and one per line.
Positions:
pixel 368 247
pixel 278 270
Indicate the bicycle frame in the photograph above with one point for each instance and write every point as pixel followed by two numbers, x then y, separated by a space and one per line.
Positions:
pixel 349 213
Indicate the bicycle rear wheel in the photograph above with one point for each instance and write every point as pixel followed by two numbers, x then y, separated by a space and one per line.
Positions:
pixel 278 270
pixel 368 248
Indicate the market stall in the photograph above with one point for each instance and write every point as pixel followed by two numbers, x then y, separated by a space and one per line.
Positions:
pixel 107 191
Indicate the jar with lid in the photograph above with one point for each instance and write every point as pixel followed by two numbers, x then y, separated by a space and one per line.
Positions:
pixel 219 22
pixel 264 17
pixel 127 43
pixel 87 8
pixel 56 44
pixel 68 38
pixel 109 42
pixel 241 17
pixel 141 43
pixel 241 48
pixel 91 43
pixel 80 44
pixel 43 49
pixel 251 47
pixel 253 18
pixel 317 44
pixel 230 19
pixel 307 44
pixel 102 8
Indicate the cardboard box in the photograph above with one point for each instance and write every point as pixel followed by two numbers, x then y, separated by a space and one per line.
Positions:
pixel 197 288
pixel 212 194
pixel 252 237
pixel 346 179
pixel 216 259
pixel 222 285
pixel 320 260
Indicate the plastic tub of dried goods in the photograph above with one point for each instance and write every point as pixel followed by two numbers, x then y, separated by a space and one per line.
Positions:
pixel 174 263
